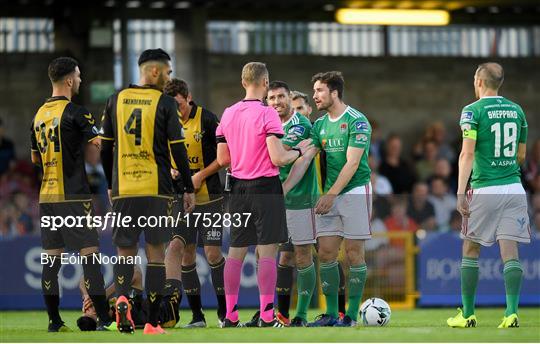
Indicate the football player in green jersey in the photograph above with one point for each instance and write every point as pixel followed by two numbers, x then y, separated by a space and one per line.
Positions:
pixel 299 201
pixel 344 210
pixel 494 145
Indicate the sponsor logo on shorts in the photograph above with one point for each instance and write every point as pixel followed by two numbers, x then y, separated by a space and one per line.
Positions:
pixel 521 223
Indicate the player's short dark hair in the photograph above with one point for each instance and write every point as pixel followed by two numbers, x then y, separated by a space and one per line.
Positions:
pixel 333 80
pixel 153 55
pixel 60 67
pixel 85 323
pixel 279 84
pixel 297 94
pixel 176 86
pixel 492 73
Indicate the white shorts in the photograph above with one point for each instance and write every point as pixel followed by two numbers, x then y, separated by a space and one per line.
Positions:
pixel 349 217
pixel 498 212
pixel 301 226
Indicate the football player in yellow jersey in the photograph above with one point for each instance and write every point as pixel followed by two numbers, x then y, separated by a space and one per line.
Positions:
pixel 143 127
pixel 60 132
pixel 200 134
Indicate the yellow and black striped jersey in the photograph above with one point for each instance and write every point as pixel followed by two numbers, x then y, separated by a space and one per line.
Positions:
pixel 142 122
pixel 60 130
pixel 200 133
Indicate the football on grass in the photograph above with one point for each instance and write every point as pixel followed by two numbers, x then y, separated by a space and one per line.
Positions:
pixel 375 312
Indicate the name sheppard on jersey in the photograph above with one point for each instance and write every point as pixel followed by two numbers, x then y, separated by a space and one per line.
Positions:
pixel 501 114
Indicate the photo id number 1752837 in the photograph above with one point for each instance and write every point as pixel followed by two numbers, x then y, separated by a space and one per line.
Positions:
pixel 216 220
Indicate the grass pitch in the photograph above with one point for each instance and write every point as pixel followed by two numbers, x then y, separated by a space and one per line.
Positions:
pixel 419 325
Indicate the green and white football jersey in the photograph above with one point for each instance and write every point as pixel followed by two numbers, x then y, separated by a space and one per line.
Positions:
pixel 500 126
pixel 304 194
pixel 351 129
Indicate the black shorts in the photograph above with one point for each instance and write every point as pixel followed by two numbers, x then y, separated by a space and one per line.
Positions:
pixel 67 235
pixel 262 198
pixel 201 227
pixel 147 214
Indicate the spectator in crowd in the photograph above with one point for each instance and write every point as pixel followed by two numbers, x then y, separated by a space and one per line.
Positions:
pixel 443 169
pixel 443 201
pixel 531 168
pixel 535 225
pixel 96 179
pixel 381 185
pixel 24 223
pixel 376 144
pixel 535 203
pixel 439 135
pixel 7 216
pixel 420 208
pixel 395 168
pixel 425 167
pixel 7 151
pixel 399 221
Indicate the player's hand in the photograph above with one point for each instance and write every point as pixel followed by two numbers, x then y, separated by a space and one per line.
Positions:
pixel 88 306
pixel 463 206
pixel 324 204
pixel 174 174
pixel 304 145
pixel 189 202
pixel 197 180
pixel 311 152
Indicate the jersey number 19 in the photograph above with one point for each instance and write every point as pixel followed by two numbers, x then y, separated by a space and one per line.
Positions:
pixel 508 141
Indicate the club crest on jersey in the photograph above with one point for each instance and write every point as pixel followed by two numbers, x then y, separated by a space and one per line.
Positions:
pixel 362 126
pixel 343 128
pixel 297 130
pixel 198 135
pixel 322 132
pixel 466 115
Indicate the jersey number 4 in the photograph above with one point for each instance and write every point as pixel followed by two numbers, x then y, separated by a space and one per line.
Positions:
pixel 506 141
pixel 134 125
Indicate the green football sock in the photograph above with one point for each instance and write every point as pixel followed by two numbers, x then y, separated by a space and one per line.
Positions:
pixel 357 281
pixel 513 273
pixel 305 281
pixel 330 284
pixel 469 282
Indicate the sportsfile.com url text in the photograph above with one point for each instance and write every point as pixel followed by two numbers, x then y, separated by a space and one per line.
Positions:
pixel 113 219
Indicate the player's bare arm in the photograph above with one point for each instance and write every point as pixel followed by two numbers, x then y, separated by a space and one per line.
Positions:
pixel 326 201
pixel 200 176
pixel 466 160
pixel 280 156
pixel 36 158
pixel 223 155
pixel 522 153
pixel 299 168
